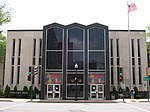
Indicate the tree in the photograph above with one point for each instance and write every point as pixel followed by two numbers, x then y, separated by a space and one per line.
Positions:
pixel 148 32
pixel 5 17
pixel 2 47
pixel 148 44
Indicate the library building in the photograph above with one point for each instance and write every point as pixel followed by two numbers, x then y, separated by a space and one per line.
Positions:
pixel 75 61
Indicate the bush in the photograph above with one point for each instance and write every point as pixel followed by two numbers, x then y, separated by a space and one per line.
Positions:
pixel 25 89
pixel 115 93
pixel 127 92
pixel 136 95
pixel 15 90
pixel 1 93
pixel 35 92
pixel 7 90
pixel 29 93
pixel 120 91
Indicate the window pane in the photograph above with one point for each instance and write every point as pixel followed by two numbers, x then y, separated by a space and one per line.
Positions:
pixel 54 39
pixel 18 74
pixel 111 47
pixel 71 78
pixel 19 52
pixel 118 61
pixel 95 78
pixel 19 61
pixel 133 63
pixel 112 61
pixel 140 77
pixel 133 74
pixel 96 39
pixel 54 78
pixel 71 90
pixel 96 60
pixel 54 60
pixel 13 52
pixel 73 58
pixel 12 74
pixel 12 61
pixel 132 47
pixel 139 61
pixel 75 39
pixel 139 48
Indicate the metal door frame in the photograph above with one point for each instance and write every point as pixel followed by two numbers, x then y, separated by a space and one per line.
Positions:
pixel 53 92
pixel 97 92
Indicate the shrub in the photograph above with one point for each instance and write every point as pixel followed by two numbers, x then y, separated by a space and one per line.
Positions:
pixel 15 90
pixel 114 92
pixel 120 91
pixel 136 95
pixel 25 89
pixel 35 92
pixel 29 93
pixel 127 92
pixel 7 90
pixel 1 93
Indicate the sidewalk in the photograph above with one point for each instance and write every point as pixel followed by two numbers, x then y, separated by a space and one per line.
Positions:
pixel 73 101
pixel 14 100
pixel 129 100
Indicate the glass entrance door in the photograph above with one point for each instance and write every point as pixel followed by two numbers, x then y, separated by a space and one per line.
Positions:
pixel 75 86
pixel 53 91
pixel 96 91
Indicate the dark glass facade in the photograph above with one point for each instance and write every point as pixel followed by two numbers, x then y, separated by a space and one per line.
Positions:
pixel 65 46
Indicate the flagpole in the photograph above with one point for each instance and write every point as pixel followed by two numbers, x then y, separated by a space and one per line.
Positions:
pixel 129 48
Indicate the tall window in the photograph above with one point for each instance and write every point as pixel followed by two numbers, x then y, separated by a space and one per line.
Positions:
pixel 96 39
pixel 13 51
pixel 75 54
pixel 139 61
pixel 54 48
pixel 96 49
pixel 75 48
pixel 111 62
pixel 112 75
pixel 111 47
pixel 117 47
pixel 132 45
pixel 118 59
pixel 13 60
pixel 133 61
pixel 34 51
pixel 18 69
pixel 40 61
pixel 34 56
pixel 139 52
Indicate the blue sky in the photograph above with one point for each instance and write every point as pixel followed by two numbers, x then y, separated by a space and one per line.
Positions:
pixel 34 14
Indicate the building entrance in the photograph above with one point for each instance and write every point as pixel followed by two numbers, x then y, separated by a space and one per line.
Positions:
pixel 53 91
pixel 75 86
pixel 96 91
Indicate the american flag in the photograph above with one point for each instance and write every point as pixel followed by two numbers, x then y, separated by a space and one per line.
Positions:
pixel 132 7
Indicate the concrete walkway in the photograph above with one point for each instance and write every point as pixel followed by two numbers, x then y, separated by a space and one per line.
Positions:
pixel 72 101
pixel 129 100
